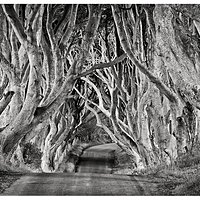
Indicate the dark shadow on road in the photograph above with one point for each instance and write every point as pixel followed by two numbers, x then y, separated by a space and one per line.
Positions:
pixel 97 159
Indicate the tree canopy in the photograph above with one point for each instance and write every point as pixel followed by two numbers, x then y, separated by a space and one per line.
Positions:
pixel 131 70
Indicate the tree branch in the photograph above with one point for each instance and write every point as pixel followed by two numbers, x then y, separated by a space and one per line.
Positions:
pixel 101 104
pixel 33 14
pixel 3 84
pixel 8 68
pixel 103 65
pixel 72 21
pixel 5 101
pixel 49 28
pixel 15 22
pixel 100 124
pixel 123 40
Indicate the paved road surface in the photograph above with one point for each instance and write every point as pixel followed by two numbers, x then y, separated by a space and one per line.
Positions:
pixel 93 178
pixel 98 159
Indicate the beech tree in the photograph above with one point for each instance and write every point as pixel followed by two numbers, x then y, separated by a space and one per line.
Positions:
pixel 145 97
pixel 43 67
pixel 134 66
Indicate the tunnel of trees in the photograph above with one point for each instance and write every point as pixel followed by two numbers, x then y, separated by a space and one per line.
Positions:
pixel 128 74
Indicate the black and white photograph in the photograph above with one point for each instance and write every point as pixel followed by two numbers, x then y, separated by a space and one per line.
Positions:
pixel 99 99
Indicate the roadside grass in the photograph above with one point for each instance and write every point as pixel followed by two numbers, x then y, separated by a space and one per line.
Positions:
pixel 190 187
pixel 4 168
pixel 8 175
pixel 189 165
pixel 182 178
pixel 7 179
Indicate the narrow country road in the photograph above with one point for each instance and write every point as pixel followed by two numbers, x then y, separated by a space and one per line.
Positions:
pixel 93 177
pixel 98 159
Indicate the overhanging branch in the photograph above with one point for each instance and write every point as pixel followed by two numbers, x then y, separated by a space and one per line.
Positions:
pixel 5 101
pixel 8 68
pixel 126 47
pixel 103 66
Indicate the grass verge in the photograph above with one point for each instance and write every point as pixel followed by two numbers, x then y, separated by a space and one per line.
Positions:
pixel 179 180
